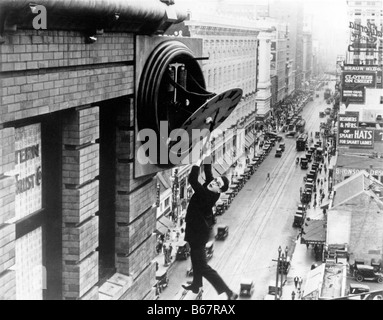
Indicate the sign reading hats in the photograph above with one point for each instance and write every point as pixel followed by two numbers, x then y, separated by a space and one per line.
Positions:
pixel 351 135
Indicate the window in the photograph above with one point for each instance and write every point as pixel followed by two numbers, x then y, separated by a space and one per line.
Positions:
pixel 167 200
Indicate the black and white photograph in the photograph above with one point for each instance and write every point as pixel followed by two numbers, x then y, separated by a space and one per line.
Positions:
pixel 203 151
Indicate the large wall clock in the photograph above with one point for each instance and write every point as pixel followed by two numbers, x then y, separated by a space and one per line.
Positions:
pixel 171 95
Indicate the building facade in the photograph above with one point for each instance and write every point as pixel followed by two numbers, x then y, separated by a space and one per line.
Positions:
pixel 74 222
pixel 365 29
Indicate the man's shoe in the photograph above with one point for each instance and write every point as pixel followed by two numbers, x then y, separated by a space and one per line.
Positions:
pixel 232 296
pixel 190 287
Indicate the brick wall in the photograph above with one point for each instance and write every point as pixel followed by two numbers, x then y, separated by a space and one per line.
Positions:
pixel 80 187
pixel 135 215
pixel 140 286
pixel 47 71
pixel 7 211
pixel 42 72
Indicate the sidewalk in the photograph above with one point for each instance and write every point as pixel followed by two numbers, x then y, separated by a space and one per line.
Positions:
pixel 304 257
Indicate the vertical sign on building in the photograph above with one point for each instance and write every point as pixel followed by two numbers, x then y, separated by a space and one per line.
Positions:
pixel 354 81
pixel 28 170
pixel 28 200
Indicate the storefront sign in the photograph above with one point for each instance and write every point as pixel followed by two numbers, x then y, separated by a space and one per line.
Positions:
pixel 28 172
pixel 370 30
pixel 353 136
pixel 347 172
pixel 353 84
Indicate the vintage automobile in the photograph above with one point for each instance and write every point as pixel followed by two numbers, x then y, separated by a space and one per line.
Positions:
pixel 299 218
pixel 273 135
pixel 183 250
pixel 304 163
pixel 222 232
pixel 356 288
pixel 162 279
pixel 291 134
pixel 246 288
pixel 365 272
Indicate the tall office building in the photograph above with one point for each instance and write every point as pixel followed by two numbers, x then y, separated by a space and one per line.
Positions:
pixel 291 12
pixel 365 29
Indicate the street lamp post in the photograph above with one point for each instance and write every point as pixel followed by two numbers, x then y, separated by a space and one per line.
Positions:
pixel 284 262
pixel 276 283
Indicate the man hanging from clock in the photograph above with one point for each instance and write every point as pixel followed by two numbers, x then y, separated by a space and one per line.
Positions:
pixel 199 223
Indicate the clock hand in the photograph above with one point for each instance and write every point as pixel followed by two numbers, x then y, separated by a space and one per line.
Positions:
pixel 212 123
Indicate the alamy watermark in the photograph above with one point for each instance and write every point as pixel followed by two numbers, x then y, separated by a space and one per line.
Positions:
pixel 40 21
pixel 180 147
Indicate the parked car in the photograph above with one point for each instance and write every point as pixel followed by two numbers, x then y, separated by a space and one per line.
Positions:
pixel 364 272
pixel 246 288
pixel 356 288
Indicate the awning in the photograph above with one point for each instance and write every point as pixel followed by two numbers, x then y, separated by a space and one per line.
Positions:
pixel 160 228
pixel 249 141
pixel 218 168
pixel 325 204
pixel 314 232
pixel 313 283
pixel 166 222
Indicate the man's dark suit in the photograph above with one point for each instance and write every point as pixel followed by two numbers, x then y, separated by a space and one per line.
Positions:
pixel 199 224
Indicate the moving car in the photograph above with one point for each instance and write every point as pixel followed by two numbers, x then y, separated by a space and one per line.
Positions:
pixel 222 232
pixel 183 250
pixel 304 163
pixel 282 145
pixel 278 153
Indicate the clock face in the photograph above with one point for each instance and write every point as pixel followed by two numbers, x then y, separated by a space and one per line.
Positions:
pixel 217 109
pixel 172 95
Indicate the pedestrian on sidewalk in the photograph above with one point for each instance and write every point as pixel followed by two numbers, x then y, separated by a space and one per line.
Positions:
pixel 296 280
pixel 300 281
pixel 293 295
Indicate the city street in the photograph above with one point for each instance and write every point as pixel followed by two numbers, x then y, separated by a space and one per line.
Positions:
pixel 260 220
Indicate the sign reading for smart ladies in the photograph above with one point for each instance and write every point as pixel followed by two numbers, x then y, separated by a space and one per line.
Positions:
pixel 28 170
pixel 351 135
pixel 353 84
